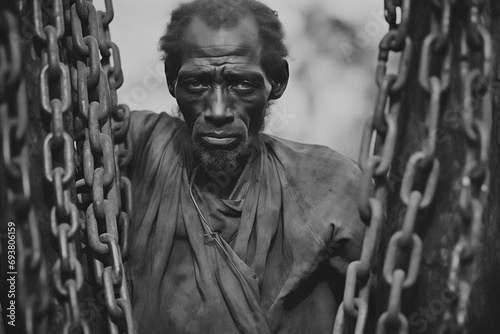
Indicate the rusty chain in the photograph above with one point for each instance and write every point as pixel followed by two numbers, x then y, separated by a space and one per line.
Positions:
pixel 376 153
pixel 475 73
pixel 32 284
pixel 100 126
pixel 59 162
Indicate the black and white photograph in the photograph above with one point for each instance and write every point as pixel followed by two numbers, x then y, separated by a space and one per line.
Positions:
pixel 249 167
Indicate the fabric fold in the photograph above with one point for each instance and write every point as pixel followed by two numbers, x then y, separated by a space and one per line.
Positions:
pixel 289 227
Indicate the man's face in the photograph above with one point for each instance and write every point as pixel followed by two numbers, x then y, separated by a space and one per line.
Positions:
pixel 222 90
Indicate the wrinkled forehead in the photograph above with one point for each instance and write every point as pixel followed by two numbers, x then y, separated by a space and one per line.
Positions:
pixel 241 40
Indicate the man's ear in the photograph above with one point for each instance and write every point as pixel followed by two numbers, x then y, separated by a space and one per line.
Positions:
pixel 171 79
pixel 279 81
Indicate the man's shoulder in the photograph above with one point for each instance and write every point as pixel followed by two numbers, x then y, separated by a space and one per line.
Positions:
pixel 323 180
pixel 146 126
pixel 157 135
pixel 324 183
pixel 147 119
pixel 313 162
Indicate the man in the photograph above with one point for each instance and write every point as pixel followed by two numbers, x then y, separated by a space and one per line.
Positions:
pixel 234 231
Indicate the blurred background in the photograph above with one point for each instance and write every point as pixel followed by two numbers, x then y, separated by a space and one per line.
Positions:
pixel 333 54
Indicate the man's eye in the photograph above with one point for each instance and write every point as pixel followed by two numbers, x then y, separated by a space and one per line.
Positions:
pixel 244 87
pixel 196 86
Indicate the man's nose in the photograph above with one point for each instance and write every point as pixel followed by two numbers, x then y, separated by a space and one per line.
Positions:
pixel 218 110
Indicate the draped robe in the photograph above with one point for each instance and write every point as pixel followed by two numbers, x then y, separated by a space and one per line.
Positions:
pixel 283 242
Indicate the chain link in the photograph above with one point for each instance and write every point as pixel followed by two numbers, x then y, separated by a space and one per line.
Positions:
pixel 32 286
pixel 423 168
pixel 101 125
pixel 475 73
pixel 59 161
pixel 120 122
pixel 405 246
pixel 376 153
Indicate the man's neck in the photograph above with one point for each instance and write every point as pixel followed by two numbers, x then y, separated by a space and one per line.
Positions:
pixel 221 183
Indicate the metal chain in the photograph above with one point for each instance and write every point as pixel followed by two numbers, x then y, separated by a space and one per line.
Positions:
pixel 59 165
pixel 405 242
pixel 404 250
pixel 376 153
pixel 99 183
pixel 32 285
pixel 120 122
pixel 475 66
pixel 405 246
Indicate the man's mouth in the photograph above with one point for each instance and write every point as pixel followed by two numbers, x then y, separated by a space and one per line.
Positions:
pixel 218 138
pixel 218 141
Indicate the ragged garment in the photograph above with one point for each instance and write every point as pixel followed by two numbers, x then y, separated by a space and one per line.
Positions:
pixel 273 257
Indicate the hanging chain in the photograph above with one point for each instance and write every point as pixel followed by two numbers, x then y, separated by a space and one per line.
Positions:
pixel 376 153
pixel 32 284
pixel 59 164
pixel 99 184
pixel 475 73
pixel 403 242
pixel 120 122
pixel 422 166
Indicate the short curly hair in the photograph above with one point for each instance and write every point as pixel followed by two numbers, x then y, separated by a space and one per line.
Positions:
pixel 225 13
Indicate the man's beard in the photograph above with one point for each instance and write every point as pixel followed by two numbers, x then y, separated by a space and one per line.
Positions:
pixel 216 160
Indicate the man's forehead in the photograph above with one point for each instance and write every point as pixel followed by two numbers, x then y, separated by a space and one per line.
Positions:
pixel 200 40
pixel 213 65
